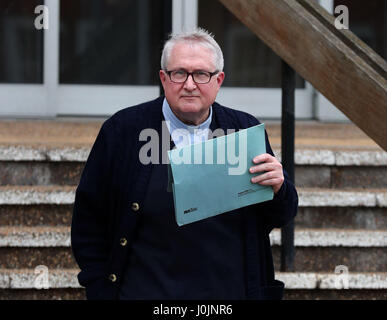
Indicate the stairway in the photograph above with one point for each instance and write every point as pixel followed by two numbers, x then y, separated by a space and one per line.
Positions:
pixel 341 177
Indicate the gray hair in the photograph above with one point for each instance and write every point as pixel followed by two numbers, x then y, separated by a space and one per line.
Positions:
pixel 199 36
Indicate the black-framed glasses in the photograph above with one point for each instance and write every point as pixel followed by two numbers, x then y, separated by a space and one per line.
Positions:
pixel 199 76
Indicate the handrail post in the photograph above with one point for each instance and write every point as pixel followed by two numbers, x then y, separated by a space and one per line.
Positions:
pixel 287 151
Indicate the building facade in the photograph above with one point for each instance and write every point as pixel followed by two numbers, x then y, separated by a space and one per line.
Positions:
pixel 97 56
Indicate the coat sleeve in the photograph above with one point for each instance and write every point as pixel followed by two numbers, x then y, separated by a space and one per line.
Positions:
pixel 283 208
pixel 89 239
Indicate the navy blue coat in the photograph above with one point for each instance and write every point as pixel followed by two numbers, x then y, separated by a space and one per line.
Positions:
pixel 114 179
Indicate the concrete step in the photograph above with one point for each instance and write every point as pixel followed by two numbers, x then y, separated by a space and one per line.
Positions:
pixel 36 215
pixel 316 249
pixel 312 176
pixel 14 281
pixel 304 155
pixel 30 257
pixel 40 173
pixel 306 176
pixel 27 278
pixel 42 294
pixel 319 197
pixel 349 294
pixel 371 218
pixel 307 259
pixel 42 165
pixel 318 208
pixel 67 278
pixel 323 259
pixel 314 280
pixel 334 238
pixel 32 195
pixel 57 152
pixel 30 237
pixel 289 294
pixel 308 197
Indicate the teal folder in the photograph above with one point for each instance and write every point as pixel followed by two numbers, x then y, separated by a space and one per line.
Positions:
pixel 213 177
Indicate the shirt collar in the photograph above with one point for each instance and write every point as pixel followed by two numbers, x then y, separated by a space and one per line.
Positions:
pixel 176 123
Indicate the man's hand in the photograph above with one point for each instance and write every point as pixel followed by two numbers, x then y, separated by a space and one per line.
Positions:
pixel 272 168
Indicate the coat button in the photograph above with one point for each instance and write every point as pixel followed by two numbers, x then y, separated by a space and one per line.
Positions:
pixel 135 206
pixel 123 242
pixel 113 277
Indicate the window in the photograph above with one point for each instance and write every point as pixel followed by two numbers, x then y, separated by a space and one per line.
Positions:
pixel 21 45
pixel 110 42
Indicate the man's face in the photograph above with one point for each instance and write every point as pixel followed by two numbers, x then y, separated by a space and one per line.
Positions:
pixel 191 101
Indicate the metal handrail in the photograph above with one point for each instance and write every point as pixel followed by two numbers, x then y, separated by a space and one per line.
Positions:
pixel 287 154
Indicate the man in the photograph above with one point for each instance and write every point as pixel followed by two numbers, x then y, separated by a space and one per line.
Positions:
pixel 124 236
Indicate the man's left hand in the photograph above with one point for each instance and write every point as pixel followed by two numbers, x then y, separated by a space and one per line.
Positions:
pixel 272 168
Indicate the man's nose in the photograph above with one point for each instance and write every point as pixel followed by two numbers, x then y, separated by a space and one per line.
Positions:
pixel 190 84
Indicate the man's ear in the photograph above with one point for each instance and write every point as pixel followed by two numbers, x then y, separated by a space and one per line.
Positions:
pixel 220 78
pixel 162 76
